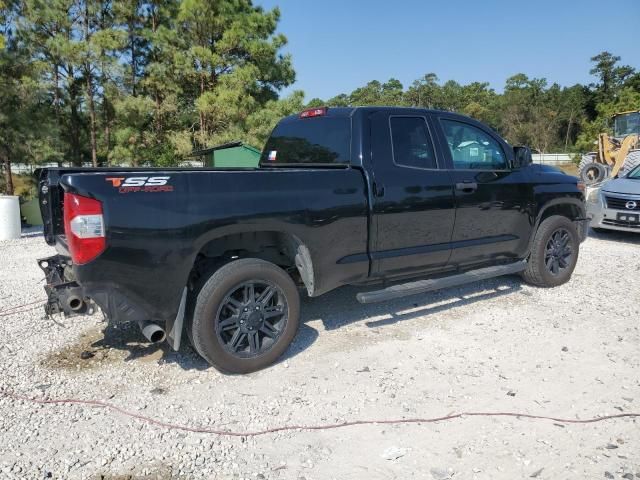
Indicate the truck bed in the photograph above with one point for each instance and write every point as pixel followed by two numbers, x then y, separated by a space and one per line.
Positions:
pixel 154 237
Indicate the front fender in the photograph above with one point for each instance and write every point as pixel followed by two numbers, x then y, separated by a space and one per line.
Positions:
pixel 558 204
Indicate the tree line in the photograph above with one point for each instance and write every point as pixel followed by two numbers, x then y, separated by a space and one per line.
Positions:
pixel 529 111
pixel 133 82
pixel 146 82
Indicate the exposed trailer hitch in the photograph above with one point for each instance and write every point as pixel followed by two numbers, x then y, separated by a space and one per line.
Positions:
pixel 63 292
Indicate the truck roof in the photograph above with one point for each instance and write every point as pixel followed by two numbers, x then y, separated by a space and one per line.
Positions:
pixel 350 111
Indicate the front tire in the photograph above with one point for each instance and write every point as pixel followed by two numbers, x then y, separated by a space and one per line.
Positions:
pixel 554 253
pixel 245 316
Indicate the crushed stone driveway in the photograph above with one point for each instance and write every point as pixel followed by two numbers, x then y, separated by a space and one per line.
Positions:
pixel 497 345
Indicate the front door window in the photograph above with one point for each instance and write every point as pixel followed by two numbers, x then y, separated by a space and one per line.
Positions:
pixel 471 148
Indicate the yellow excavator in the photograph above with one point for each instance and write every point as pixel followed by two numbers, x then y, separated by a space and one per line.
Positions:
pixel 617 154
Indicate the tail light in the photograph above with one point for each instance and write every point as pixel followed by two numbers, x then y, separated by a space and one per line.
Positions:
pixel 84 227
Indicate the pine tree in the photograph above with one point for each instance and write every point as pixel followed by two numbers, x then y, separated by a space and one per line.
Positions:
pixel 49 28
pixel 232 63
pixel 23 104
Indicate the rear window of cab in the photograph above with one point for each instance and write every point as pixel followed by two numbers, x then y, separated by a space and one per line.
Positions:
pixel 318 140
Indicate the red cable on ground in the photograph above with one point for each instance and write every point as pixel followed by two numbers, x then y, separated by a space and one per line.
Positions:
pixel 16 309
pixel 171 426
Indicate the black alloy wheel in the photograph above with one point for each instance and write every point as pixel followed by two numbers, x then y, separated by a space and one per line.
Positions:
pixel 558 252
pixel 251 318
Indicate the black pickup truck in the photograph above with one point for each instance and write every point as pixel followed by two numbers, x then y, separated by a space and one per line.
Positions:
pixel 362 196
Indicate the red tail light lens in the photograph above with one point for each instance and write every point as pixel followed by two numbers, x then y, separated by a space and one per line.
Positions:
pixel 84 227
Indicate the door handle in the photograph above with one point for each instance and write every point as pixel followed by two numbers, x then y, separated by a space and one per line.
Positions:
pixel 467 187
pixel 378 189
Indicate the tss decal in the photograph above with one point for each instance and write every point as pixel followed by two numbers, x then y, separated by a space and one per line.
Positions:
pixel 141 184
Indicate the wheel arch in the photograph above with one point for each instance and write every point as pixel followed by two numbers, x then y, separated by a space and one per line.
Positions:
pixel 282 248
pixel 572 208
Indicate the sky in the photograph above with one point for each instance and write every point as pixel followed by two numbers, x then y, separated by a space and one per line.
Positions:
pixel 338 46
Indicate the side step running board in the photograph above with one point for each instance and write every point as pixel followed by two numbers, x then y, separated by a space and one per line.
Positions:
pixel 422 286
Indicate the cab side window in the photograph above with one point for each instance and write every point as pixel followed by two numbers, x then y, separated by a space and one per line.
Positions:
pixel 472 148
pixel 411 143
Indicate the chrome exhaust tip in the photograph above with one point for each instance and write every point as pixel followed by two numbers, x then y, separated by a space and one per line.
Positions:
pixel 152 332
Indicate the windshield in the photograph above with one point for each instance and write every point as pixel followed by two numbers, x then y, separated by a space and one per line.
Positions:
pixel 626 124
pixel 634 174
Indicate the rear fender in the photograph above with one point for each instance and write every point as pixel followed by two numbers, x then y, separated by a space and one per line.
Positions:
pixel 297 250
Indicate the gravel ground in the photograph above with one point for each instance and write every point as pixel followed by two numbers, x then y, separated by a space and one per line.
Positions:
pixel 498 345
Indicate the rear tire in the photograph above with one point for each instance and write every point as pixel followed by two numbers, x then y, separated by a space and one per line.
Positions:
pixel 554 253
pixel 245 316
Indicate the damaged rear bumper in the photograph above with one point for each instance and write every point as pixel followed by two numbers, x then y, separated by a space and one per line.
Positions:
pixel 64 294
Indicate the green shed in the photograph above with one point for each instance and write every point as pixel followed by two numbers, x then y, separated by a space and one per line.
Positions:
pixel 232 154
pixel 30 210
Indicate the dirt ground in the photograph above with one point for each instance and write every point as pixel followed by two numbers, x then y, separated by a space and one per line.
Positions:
pixel 570 168
pixel 498 345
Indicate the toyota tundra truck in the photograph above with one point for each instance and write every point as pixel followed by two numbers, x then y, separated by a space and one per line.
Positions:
pixel 410 200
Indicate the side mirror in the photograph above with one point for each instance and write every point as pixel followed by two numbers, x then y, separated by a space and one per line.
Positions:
pixel 522 157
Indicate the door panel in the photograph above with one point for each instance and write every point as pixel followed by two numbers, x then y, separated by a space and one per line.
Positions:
pixel 413 207
pixel 492 222
pixel 493 219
